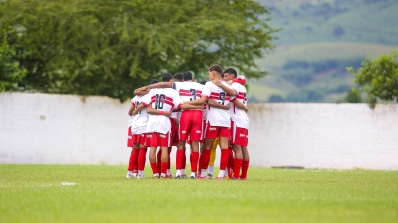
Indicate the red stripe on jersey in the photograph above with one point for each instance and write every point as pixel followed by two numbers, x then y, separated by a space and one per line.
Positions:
pixel 169 103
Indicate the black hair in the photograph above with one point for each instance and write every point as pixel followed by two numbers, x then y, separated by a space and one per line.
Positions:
pixel 178 76
pixel 154 81
pixel 188 76
pixel 166 77
pixel 203 82
pixel 230 71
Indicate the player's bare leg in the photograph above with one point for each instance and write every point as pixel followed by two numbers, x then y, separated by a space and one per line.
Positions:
pixel 152 161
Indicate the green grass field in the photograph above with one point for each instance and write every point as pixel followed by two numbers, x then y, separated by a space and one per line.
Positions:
pixel 34 193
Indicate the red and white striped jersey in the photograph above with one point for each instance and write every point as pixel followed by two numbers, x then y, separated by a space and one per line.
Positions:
pixel 217 116
pixel 139 121
pixel 189 90
pixel 238 115
pixel 162 99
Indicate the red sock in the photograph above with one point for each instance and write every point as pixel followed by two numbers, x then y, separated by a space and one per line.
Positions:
pixel 130 166
pixel 237 166
pixel 164 166
pixel 194 161
pixel 224 159
pixel 230 158
pixel 154 167
pixel 184 161
pixel 142 159
pixel 245 167
pixel 204 159
pixel 133 160
pixel 179 158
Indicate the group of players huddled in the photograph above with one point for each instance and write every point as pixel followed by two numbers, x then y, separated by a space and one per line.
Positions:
pixel 178 111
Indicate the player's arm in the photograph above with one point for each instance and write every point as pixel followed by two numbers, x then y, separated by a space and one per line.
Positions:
pixel 228 90
pixel 146 89
pixel 240 105
pixel 215 104
pixel 130 112
pixel 141 92
pixel 153 111
pixel 138 109
pixel 200 101
pixel 186 106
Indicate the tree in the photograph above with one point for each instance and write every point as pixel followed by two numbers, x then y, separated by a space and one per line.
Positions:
pixel 112 47
pixel 353 96
pixel 379 78
pixel 10 70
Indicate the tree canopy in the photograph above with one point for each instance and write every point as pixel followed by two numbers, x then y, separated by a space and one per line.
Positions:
pixel 379 78
pixel 110 48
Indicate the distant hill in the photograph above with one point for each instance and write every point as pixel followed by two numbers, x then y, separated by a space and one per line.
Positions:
pixel 319 38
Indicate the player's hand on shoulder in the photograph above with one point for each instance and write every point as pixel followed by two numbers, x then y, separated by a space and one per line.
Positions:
pixel 217 82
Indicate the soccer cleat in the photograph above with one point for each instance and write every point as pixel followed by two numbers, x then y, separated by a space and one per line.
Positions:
pixel 169 176
pixel 184 176
pixel 178 177
pixel 192 177
pixel 200 177
pixel 219 178
pixel 209 176
pixel 140 176
pixel 129 175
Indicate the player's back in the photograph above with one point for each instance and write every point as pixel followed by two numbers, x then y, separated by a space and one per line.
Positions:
pixel 162 99
pixel 189 90
pixel 141 118
pixel 217 116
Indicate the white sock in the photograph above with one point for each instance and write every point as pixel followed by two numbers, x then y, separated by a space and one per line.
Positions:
pixel 210 170
pixel 163 175
pixel 178 173
pixel 140 172
pixel 226 172
pixel 203 173
pixel 168 172
pixel 193 174
pixel 183 172
pixel 130 172
pixel 221 173
pixel 156 175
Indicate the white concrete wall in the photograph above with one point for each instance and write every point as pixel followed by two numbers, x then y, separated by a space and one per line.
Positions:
pixel 65 129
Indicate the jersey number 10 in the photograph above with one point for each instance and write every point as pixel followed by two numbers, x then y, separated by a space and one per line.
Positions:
pixel 160 98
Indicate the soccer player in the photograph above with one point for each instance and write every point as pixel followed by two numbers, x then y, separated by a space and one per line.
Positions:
pixel 218 121
pixel 239 123
pixel 137 138
pixel 161 102
pixel 191 120
pixel 240 130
